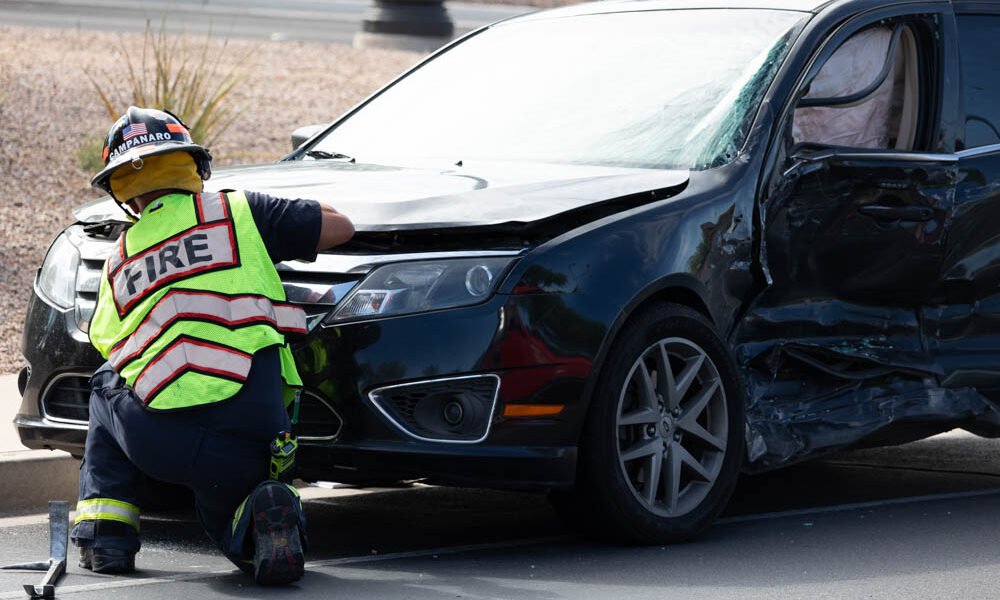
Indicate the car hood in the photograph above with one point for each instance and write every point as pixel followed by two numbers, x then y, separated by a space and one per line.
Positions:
pixel 388 198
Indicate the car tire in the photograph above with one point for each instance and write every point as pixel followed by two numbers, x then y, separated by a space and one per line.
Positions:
pixel 659 456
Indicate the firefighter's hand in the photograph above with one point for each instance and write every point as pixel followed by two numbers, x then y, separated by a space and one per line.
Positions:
pixel 335 229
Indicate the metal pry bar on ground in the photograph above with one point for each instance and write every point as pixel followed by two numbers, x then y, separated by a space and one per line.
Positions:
pixel 58 543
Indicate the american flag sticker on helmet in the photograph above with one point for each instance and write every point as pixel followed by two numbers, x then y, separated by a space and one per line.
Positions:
pixel 133 130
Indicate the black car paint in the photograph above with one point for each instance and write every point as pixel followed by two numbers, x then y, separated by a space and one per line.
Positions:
pixel 886 340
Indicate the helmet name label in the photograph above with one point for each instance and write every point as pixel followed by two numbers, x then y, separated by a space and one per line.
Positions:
pixel 198 250
pixel 139 140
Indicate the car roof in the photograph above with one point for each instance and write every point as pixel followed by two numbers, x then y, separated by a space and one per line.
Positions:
pixel 804 6
pixel 615 6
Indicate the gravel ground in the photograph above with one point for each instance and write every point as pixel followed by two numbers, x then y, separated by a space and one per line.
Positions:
pixel 48 109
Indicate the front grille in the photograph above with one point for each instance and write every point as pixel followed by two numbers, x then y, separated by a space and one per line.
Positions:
pixel 88 283
pixel 94 250
pixel 456 409
pixel 318 419
pixel 67 398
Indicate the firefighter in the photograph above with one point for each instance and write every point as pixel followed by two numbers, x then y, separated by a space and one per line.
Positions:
pixel 193 322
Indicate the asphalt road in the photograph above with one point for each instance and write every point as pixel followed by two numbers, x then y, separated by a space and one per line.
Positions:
pixel 302 20
pixel 917 521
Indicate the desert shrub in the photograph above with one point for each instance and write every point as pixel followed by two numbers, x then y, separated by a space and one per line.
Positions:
pixel 175 74
pixel 88 154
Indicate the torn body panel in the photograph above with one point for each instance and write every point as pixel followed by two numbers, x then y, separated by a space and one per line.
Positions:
pixel 831 390
pixel 849 336
pixel 800 414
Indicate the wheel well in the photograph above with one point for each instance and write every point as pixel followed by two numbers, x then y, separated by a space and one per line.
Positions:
pixel 677 295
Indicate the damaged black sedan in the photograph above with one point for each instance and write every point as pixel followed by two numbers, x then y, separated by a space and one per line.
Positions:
pixel 625 251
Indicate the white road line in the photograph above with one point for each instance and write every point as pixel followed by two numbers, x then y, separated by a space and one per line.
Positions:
pixel 120 583
pixel 349 560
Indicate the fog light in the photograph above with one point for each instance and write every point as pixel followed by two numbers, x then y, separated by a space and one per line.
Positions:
pixel 449 409
pixel 453 413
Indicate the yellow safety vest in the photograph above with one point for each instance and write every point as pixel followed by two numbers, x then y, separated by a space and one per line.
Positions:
pixel 187 299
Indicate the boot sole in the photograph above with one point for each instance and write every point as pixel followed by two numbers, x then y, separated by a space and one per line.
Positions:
pixel 278 555
pixel 117 566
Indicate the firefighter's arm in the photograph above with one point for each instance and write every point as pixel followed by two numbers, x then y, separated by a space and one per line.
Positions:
pixel 335 228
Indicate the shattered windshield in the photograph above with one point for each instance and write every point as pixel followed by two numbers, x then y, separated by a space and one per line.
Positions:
pixel 667 89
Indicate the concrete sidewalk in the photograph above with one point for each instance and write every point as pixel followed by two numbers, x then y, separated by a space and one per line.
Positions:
pixel 29 478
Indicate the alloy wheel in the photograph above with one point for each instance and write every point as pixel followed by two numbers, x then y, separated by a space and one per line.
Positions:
pixel 672 427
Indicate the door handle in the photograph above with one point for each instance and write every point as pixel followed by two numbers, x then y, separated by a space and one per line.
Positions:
pixel 897 213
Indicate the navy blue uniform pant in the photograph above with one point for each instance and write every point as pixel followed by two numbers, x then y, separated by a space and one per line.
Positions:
pixel 219 451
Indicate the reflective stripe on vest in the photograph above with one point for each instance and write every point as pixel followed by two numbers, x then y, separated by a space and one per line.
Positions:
pixel 229 311
pixel 185 355
pixel 106 509
pixel 211 207
pixel 117 258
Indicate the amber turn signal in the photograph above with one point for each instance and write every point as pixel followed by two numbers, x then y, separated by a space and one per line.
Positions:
pixel 532 410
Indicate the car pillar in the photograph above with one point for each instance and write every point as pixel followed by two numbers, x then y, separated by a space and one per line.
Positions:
pixel 415 25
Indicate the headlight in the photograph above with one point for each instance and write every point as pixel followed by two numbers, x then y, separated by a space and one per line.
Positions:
pixel 405 288
pixel 57 278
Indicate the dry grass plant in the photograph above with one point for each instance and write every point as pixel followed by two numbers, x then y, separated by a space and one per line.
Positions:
pixel 177 76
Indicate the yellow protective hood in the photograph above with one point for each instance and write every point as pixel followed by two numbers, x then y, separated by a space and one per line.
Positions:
pixel 174 170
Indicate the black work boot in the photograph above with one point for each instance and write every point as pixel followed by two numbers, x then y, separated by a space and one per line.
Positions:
pixel 107 560
pixel 278 554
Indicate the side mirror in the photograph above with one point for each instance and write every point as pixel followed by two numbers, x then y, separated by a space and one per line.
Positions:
pixel 300 135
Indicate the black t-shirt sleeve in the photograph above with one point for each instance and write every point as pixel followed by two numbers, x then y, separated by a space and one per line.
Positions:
pixel 290 228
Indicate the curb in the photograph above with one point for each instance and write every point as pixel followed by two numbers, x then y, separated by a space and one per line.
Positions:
pixel 33 477
pixel 30 478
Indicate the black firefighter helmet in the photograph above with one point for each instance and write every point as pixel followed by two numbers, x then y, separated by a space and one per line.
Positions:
pixel 142 132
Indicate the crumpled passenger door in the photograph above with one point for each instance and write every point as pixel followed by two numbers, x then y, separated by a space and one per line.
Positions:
pixel 851 246
pixel 865 228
